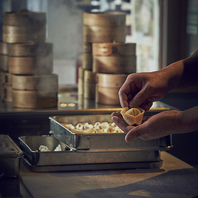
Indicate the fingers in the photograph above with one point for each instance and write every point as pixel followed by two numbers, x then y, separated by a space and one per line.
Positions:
pixel 118 120
pixel 147 105
pixel 134 133
pixel 127 92
pixel 141 97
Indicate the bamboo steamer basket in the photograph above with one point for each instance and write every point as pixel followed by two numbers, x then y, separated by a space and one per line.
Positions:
pixel 30 49
pixel 114 49
pixel 3 48
pixel 3 62
pixel 87 60
pixel 31 65
pixel 24 26
pixel 80 81
pixel 24 18
pixel 3 56
pixel 104 27
pixel 114 58
pixel 104 19
pixel 20 34
pixel 7 93
pixel 107 88
pixel 1 92
pixel 30 58
pixel 114 64
pixel 34 99
pixel 97 34
pixel 1 77
pixel 87 56
pixel 89 84
pixel 6 78
pixel 36 83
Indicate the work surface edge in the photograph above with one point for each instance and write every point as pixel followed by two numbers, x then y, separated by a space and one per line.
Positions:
pixel 175 179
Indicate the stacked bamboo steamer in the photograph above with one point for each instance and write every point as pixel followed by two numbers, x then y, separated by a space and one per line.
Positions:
pixel 5 85
pixel 112 62
pixel 30 60
pixel 106 56
pixel 5 76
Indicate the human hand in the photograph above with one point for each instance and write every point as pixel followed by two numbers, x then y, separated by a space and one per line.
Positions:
pixel 142 89
pixel 156 126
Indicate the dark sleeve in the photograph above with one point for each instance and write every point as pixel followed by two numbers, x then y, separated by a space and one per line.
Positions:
pixel 190 73
pixel 192 60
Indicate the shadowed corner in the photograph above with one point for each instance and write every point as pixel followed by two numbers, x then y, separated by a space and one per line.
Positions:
pixel 169 184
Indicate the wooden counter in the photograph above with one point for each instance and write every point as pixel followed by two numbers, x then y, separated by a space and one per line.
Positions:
pixel 175 179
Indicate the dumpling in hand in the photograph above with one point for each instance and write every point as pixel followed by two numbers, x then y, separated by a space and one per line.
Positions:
pixel 132 116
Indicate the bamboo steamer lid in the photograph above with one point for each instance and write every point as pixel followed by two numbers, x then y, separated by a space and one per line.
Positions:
pixel 24 18
pixel 104 27
pixel 104 19
pixel 30 49
pixel 114 49
pixel 107 88
pixel 34 99
pixel 22 34
pixel 3 48
pixel 114 64
pixel 31 65
pixel 37 83
pixel 98 34
pixel 3 62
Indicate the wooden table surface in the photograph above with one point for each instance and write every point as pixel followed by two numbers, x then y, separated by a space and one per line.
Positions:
pixel 175 179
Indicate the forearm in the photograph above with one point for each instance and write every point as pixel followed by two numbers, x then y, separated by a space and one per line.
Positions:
pixel 183 73
pixel 188 120
pixel 172 74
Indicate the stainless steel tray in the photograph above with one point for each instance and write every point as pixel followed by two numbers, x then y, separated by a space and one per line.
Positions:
pixel 10 157
pixel 30 145
pixel 67 160
pixel 102 142
pixel 92 167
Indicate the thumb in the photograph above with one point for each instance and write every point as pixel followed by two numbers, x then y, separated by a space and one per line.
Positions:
pixel 134 133
pixel 140 97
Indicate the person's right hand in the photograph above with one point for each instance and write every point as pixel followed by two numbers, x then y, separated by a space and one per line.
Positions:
pixel 142 89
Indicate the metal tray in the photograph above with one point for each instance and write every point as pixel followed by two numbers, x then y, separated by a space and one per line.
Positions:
pixel 110 142
pixel 67 160
pixel 10 157
pixel 92 167
pixel 30 145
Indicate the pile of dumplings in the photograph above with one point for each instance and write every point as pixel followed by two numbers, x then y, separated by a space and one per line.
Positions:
pixel 98 127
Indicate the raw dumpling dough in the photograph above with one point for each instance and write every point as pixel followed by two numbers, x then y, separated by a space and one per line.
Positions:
pixel 132 116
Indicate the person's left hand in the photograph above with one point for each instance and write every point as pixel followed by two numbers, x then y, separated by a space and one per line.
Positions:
pixel 153 127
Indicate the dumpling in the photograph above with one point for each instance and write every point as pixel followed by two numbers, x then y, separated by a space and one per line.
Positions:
pixel 132 116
